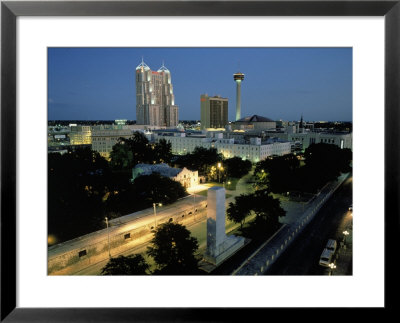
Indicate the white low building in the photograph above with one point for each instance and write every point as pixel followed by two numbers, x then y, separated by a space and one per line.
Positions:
pixel 254 150
pixel 342 140
pixel 184 176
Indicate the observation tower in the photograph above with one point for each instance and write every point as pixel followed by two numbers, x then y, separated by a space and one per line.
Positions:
pixel 238 78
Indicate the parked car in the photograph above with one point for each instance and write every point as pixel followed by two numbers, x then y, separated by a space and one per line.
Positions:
pixel 326 258
pixel 331 245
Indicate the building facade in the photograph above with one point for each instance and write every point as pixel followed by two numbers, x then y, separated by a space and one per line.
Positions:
pixel 342 140
pixel 155 101
pixel 214 111
pixel 80 135
pixel 254 122
pixel 104 137
pixel 253 150
pixel 184 176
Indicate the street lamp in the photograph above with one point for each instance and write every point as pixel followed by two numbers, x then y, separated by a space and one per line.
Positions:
pixel 219 170
pixel 155 213
pixel 345 233
pixel 108 234
pixel 331 266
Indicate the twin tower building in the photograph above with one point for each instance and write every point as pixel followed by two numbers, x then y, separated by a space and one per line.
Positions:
pixel 155 101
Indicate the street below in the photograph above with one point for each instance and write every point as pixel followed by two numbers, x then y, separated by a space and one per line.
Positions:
pixel 334 218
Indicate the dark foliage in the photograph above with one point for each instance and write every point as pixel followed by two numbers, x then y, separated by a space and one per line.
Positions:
pixel 237 167
pixel 77 183
pixel 129 265
pixel 173 249
pixel 201 159
pixel 127 153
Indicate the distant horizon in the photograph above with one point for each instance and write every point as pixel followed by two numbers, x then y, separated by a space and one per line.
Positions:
pixel 279 83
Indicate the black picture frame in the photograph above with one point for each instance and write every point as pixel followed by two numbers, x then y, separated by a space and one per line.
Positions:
pixel 10 10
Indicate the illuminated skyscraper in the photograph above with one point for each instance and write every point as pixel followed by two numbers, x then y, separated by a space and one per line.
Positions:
pixel 155 101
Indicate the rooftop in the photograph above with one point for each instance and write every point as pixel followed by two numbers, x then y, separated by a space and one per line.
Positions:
pixel 255 118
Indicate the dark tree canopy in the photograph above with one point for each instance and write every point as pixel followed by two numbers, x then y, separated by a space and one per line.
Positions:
pixel 237 167
pixel 201 159
pixel 77 183
pixel 127 153
pixel 155 188
pixel 266 208
pixel 277 173
pixel 323 163
pixel 173 249
pixel 238 211
pixel 162 152
pixel 129 265
pixel 143 192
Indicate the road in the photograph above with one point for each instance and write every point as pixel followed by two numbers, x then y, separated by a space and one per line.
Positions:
pixel 301 258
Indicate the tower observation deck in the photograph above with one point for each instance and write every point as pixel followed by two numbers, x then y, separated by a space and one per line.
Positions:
pixel 238 78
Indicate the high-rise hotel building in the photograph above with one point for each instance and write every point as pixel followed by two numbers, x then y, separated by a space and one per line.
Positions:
pixel 155 101
pixel 213 111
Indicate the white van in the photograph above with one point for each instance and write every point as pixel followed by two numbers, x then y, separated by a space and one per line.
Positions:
pixel 326 258
pixel 331 245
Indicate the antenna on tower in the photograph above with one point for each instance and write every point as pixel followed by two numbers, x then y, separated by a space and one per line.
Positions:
pixel 238 66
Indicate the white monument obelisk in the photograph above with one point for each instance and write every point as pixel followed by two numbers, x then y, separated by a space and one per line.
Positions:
pixel 219 245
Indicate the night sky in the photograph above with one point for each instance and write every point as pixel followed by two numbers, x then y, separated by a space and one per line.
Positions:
pixel 280 83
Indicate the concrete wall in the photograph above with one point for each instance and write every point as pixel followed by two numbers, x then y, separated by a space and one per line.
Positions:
pixel 69 262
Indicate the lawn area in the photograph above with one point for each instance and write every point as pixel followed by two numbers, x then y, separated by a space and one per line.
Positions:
pixel 204 193
pixel 230 184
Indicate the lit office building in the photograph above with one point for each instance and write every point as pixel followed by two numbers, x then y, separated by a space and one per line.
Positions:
pixel 155 101
pixel 80 135
pixel 104 137
pixel 214 111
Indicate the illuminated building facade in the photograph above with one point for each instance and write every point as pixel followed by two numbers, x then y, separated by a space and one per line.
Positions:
pixel 254 150
pixel 80 135
pixel 214 111
pixel 155 101
pixel 104 137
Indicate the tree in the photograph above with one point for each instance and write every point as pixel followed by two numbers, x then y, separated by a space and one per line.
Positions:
pixel 155 188
pixel 77 182
pixel 237 167
pixel 238 211
pixel 142 193
pixel 266 208
pixel 277 173
pixel 173 250
pixel 325 162
pixel 162 152
pixel 130 265
pixel 201 159
pixel 128 152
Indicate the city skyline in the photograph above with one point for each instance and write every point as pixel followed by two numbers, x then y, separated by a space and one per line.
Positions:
pixel 280 83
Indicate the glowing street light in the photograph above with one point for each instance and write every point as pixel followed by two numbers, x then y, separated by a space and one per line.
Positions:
pixel 219 170
pixel 155 212
pixel 331 266
pixel 345 233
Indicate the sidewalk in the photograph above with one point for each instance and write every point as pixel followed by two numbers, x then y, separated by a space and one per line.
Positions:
pixel 344 256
